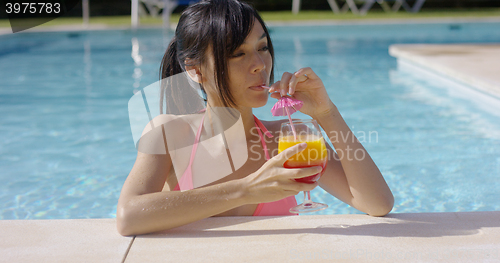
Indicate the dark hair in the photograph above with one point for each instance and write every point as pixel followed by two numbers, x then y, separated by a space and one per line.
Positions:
pixel 209 23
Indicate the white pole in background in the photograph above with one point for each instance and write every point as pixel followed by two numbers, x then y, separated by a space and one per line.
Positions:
pixel 334 6
pixel 135 13
pixel 295 6
pixel 85 10
pixel 168 8
pixel 166 14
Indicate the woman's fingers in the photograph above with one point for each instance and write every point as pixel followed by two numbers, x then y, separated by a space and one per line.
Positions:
pixel 291 184
pixel 297 173
pixel 293 82
pixel 299 187
pixel 304 172
pixel 305 73
pixel 286 154
pixel 281 87
pixel 294 173
pixel 285 83
pixel 275 87
pixel 289 81
pixel 273 178
pixel 275 95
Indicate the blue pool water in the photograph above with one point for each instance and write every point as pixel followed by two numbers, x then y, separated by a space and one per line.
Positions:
pixel 67 147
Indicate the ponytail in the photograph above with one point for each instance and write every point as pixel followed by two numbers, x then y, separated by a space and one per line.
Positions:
pixel 170 64
pixel 176 93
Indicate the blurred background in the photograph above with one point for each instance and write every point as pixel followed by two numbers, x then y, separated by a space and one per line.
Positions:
pixel 123 7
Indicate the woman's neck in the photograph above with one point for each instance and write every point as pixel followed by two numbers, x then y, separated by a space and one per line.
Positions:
pixel 248 122
pixel 246 117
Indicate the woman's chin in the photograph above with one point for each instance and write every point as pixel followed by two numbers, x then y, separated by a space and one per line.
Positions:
pixel 261 102
pixel 255 101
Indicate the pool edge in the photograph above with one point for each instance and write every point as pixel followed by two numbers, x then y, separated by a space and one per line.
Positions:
pixel 414 237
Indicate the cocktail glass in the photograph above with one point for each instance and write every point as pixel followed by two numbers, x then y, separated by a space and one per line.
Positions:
pixel 314 155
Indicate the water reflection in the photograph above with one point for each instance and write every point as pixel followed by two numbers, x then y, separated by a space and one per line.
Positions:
pixel 137 63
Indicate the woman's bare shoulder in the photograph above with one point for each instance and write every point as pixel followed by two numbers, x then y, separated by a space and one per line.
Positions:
pixel 166 129
pixel 170 121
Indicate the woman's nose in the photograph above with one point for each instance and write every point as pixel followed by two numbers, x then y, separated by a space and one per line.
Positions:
pixel 258 63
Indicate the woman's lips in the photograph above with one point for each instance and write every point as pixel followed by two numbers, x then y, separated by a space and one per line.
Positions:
pixel 259 88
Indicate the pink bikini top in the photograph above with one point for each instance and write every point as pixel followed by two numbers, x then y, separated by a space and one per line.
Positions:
pixel 277 208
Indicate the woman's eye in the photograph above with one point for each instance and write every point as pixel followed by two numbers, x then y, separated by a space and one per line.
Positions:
pixel 240 54
pixel 235 55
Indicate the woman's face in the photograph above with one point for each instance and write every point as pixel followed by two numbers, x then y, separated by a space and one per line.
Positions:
pixel 249 67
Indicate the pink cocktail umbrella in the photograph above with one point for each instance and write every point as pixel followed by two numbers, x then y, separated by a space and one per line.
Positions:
pixel 286 106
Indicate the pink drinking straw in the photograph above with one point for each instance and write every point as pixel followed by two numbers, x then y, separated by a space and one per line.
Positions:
pixel 287 106
pixel 291 123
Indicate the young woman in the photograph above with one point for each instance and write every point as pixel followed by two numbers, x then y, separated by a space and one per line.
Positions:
pixel 225 47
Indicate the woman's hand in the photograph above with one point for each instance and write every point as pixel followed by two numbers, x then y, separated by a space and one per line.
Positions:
pixel 306 86
pixel 273 182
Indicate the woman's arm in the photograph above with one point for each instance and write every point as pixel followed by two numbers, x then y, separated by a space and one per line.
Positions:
pixel 356 181
pixel 364 186
pixel 144 208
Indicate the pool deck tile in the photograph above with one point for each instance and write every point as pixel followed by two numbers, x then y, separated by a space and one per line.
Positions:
pixel 476 65
pixel 419 237
pixel 77 240
pixel 399 237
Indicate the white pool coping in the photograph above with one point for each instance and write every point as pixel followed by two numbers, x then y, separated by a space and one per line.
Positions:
pixel 475 65
pixel 419 237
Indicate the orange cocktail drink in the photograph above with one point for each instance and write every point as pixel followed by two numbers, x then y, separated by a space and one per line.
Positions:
pixel 314 155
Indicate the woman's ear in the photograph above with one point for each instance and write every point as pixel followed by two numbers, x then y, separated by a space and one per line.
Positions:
pixel 194 74
pixel 194 71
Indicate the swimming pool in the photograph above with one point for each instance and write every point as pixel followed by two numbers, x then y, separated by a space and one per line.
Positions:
pixel 67 148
